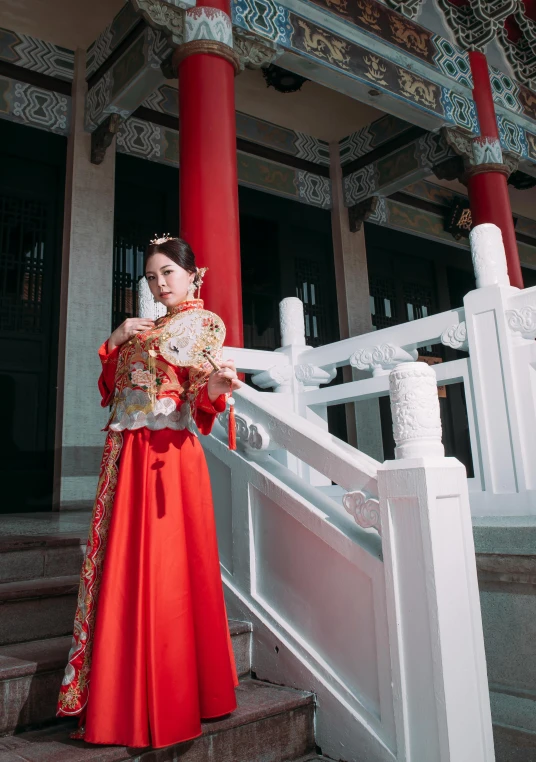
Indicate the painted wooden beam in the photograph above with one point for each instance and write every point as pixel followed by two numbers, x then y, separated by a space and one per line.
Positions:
pixel 376 56
pixel 147 140
pixel 132 78
pixel 110 38
pixel 431 225
pixel 394 172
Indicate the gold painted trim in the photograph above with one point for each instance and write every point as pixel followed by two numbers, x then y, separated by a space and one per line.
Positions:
pixel 210 47
pixel 479 169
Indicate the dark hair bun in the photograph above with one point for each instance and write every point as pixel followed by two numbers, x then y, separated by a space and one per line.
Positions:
pixel 177 250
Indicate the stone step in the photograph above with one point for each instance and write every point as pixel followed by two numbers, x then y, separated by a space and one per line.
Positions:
pixel 25 557
pixel 512 744
pixel 31 675
pixel 271 724
pixel 37 609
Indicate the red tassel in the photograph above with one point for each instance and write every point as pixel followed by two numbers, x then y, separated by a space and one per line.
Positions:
pixel 232 428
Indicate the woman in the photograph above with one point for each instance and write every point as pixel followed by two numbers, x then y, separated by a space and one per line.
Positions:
pixel 151 652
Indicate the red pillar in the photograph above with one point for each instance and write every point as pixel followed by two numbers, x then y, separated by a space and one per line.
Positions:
pixel 208 184
pixel 487 179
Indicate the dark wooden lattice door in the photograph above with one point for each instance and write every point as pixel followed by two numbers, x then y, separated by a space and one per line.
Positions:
pixel 146 202
pixel 31 196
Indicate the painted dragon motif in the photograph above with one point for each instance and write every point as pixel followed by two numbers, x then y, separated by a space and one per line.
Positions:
pixel 407 36
pixel 532 142
pixel 325 46
pixel 338 5
pixel 417 89
pixel 529 100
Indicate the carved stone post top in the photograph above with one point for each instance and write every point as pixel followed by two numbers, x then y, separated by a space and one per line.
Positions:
pixel 489 257
pixel 292 322
pixel 415 411
pixel 147 307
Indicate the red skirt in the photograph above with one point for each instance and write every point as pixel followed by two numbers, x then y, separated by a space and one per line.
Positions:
pixel 161 654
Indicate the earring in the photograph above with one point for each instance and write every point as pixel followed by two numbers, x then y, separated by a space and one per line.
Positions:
pixel 191 289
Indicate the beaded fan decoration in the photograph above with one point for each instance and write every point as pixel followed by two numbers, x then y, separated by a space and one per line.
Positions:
pixel 191 336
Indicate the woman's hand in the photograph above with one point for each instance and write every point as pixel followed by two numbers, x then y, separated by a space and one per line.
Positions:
pixel 127 330
pixel 223 381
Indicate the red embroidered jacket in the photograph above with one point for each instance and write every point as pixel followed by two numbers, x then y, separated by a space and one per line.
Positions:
pixel 145 389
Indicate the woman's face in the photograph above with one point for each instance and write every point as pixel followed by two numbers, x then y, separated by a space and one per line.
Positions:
pixel 168 281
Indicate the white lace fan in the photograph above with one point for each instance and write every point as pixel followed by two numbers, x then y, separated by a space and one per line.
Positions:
pixel 192 337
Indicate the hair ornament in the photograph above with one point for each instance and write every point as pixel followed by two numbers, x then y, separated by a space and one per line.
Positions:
pixel 200 275
pixel 158 241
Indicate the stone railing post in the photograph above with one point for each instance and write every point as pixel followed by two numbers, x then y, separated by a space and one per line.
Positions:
pixel 488 255
pixel 295 378
pixel 437 648
pixel 505 467
pixel 147 306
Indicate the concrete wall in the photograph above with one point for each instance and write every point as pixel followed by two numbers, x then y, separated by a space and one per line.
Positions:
pixel 85 311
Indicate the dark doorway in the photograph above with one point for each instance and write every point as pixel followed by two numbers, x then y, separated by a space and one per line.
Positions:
pixel 31 209
pixel 286 250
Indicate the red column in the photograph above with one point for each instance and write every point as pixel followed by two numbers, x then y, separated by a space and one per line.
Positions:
pixel 487 181
pixel 208 184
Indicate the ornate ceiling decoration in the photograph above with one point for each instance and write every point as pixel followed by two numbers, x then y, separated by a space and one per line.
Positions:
pixel 475 23
pixel 408 8
pixel 518 38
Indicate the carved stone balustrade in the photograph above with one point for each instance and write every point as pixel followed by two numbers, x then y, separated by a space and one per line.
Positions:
pixel 455 337
pixel 522 322
pixel 415 411
pixel 278 378
pixel 364 509
pixel 379 360
pixel 312 377
pixel 250 436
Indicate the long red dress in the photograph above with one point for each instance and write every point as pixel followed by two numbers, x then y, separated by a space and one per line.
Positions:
pixel 151 650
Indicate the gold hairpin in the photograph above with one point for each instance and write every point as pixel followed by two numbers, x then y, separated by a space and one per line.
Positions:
pixel 157 241
pixel 199 275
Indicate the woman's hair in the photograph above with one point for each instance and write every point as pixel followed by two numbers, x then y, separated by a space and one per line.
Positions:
pixel 177 250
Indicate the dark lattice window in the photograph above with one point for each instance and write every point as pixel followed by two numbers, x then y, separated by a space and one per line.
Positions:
pixel 23 226
pixel 419 303
pixel 309 290
pixel 383 306
pixel 128 269
pixel 418 300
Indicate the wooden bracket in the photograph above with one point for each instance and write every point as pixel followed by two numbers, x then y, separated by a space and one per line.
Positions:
pixel 358 213
pixel 102 138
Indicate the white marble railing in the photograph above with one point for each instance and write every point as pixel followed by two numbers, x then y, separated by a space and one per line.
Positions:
pixel 348 567
pixel 355 600
pixel 496 327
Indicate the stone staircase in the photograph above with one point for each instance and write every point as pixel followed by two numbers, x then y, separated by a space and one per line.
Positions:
pixel 38 589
